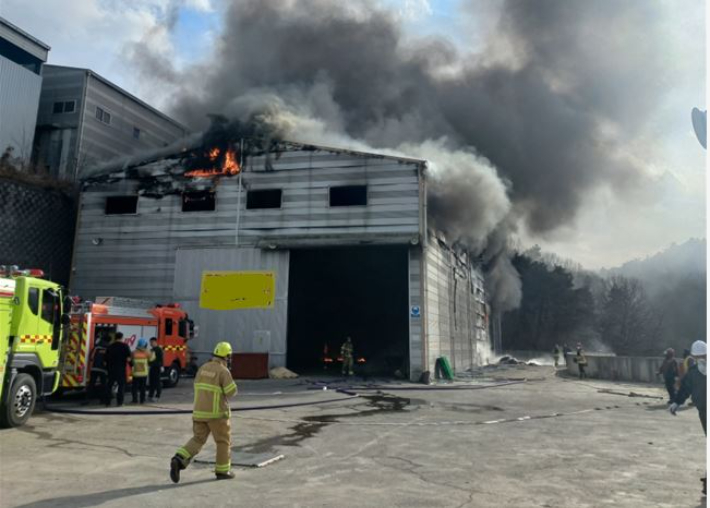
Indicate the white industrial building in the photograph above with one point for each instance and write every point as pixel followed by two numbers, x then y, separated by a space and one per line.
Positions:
pixel 344 233
pixel 22 59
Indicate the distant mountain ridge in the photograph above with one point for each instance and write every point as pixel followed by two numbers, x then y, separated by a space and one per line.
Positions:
pixel 677 261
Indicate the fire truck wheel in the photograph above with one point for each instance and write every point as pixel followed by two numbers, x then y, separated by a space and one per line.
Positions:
pixel 173 375
pixel 20 402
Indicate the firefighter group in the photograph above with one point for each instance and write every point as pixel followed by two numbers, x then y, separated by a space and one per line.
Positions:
pixel 109 361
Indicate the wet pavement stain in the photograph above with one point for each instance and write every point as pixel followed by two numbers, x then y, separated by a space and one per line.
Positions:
pixel 378 404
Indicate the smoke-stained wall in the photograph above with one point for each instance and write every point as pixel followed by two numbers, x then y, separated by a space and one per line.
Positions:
pixel 37 228
pixel 455 308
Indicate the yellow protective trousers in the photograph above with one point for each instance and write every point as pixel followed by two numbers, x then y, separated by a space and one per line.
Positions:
pixel 221 430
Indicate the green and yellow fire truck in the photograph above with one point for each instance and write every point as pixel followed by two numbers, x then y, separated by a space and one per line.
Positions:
pixel 32 325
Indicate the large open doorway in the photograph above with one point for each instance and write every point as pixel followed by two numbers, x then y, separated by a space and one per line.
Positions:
pixel 360 292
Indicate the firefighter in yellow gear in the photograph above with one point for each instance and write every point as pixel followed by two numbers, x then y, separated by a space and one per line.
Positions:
pixel 139 361
pixel 346 351
pixel 211 414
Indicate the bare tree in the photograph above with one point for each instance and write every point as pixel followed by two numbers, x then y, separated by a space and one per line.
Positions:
pixel 626 321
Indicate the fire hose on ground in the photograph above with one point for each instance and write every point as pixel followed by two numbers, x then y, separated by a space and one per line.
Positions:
pixel 347 391
pixel 153 412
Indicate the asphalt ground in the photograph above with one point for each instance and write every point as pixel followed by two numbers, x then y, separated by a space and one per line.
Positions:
pixel 517 437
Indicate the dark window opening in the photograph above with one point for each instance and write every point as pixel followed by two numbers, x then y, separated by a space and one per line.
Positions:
pixel 20 56
pixel 267 198
pixel 183 328
pixel 64 107
pixel 121 205
pixel 33 300
pixel 348 195
pixel 50 306
pixel 199 201
pixel 136 133
pixel 168 327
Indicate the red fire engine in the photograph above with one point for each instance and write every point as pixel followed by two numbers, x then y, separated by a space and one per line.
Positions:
pixel 136 319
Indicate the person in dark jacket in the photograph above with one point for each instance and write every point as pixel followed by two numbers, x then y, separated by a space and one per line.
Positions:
pixel 156 368
pixel 694 385
pixel 118 356
pixel 669 371
pixel 98 372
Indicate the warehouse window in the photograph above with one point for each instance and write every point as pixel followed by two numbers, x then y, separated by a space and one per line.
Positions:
pixel 199 201
pixel 103 116
pixel 64 107
pixel 266 198
pixel 121 205
pixel 348 195
pixel 136 133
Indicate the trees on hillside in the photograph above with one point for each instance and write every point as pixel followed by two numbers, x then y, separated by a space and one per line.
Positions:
pixel 626 320
pixel 562 305
pixel 552 309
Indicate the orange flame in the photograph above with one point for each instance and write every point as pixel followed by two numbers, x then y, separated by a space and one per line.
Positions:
pixel 229 165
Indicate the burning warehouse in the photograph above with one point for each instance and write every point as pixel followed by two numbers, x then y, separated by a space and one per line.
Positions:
pixel 285 248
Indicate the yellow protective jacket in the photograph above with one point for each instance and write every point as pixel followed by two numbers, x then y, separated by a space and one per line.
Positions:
pixel 140 363
pixel 213 386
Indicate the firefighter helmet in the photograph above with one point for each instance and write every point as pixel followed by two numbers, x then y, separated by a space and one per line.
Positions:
pixel 699 348
pixel 223 350
pixel 142 344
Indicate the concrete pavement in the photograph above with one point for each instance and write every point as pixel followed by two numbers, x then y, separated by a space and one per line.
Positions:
pixel 548 442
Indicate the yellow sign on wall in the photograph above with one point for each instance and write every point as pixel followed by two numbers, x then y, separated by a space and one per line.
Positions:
pixel 238 290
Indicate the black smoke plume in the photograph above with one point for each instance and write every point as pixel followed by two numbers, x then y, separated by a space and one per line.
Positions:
pixel 517 132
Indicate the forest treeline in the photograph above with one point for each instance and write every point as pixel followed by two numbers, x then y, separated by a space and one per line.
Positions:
pixel 563 303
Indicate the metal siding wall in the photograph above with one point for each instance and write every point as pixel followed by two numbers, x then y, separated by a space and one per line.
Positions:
pixel 237 326
pixel 59 84
pixel 306 176
pixel 137 254
pixel 415 324
pixel 19 100
pixel 455 310
pixel 103 142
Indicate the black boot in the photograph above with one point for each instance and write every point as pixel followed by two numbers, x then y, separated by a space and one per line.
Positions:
pixel 175 467
pixel 225 476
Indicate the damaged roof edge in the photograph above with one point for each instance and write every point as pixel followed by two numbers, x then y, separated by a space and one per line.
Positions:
pixel 195 140
pixel 128 161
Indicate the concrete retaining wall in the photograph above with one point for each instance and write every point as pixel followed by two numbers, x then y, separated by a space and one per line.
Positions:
pixel 619 368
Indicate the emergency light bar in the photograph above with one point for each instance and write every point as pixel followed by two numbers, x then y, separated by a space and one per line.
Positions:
pixel 14 271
